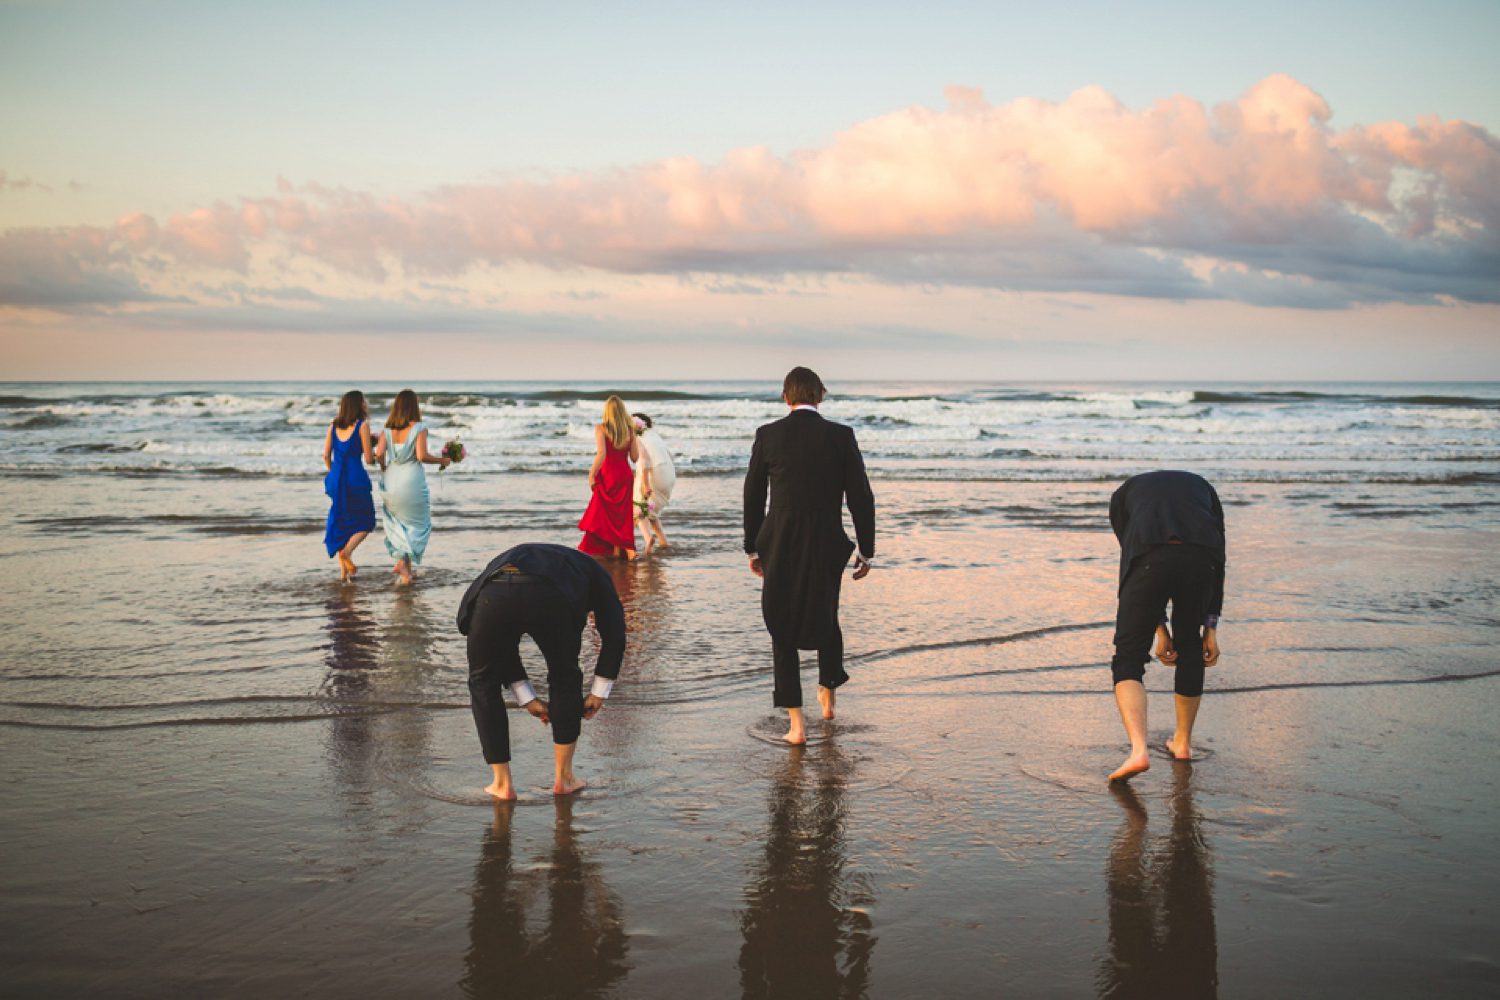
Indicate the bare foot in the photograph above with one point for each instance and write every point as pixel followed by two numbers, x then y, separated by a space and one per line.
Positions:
pixel 1134 764
pixel 402 571
pixel 567 786
pixel 505 792
pixel 796 733
pixel 1180 750
pixel 343 567
pixel 826 698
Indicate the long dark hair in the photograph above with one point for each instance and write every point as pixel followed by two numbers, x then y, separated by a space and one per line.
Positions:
pixel 351 409
pixel 404 411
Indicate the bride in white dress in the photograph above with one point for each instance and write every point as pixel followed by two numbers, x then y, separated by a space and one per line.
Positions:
pixel 655 476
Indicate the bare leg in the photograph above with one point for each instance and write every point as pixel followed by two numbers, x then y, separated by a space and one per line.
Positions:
pixel 826 698
pixel 646 536
pixel 565 782
pixel 501 788
pixel 347 555
pixel 1181 743
pixel 661 537
pixel 797 734
pixel 1131 697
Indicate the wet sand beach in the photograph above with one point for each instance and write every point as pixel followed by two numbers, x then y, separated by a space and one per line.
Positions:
pixel 229 775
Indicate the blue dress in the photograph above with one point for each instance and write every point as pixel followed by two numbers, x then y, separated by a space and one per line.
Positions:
pixel 403 494
pixel 348 486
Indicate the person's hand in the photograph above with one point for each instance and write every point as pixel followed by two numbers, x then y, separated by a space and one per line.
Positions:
pixel 443 462
pixel 591 706
pixel 591 480
pixel 538 708
pixel 1166 652
pixel 1210 647
pixel 756 568
pixel 861 566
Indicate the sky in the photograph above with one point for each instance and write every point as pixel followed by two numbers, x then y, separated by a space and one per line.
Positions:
pixel 1061 190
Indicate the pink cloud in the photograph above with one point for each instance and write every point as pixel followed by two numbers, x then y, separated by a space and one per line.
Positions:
pixel 1084 194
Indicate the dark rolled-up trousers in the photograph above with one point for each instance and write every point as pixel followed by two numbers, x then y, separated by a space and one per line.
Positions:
pixel 787 662
pixel 1186 576
pixel 503 612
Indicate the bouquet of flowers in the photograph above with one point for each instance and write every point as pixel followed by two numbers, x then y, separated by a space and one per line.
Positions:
pixel 453 451
pixel 645 507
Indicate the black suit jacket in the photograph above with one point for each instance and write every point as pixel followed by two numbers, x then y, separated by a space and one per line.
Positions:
pixel 585 584
pixel 811 467
pixel 1158 507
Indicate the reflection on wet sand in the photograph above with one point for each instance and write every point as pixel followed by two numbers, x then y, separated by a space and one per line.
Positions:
pixel 353 652
pixel 806 924
pixel 576 949
pixel 374 667
pixel 1162 942
pixel 652 671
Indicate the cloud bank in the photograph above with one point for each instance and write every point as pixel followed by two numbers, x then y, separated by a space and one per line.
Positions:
pixel 1257 200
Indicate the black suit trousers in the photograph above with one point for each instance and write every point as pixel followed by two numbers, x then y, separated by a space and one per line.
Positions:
pixel 1187 576
pixel 787 663
pixel 503 612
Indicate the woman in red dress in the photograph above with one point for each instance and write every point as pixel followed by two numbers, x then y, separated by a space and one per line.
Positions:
pixel 608 527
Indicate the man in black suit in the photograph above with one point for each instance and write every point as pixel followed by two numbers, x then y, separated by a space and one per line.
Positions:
pixel 811 466
pixel 547 592
pixel 1171 531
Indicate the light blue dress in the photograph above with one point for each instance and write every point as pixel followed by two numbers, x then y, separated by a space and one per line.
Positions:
pixel 405 506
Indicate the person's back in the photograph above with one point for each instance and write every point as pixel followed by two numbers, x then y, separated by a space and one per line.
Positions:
pixel 1155 508
pixel 807 460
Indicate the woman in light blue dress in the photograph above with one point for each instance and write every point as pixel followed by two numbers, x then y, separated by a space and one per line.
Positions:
pixel 405 508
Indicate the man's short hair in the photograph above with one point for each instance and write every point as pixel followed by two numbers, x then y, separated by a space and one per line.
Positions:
pixel 802 385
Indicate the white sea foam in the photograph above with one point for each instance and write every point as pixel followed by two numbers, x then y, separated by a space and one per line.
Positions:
pixel 1419 432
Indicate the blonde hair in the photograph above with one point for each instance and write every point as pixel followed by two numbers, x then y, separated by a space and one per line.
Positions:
pixel 617 422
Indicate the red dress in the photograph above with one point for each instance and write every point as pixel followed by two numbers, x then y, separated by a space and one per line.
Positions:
pixel 607 523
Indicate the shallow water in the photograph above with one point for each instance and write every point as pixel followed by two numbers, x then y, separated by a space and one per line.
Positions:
pixel 229 775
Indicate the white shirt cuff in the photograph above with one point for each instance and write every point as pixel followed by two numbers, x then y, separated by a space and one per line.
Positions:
pixel 522 692
pixel 602 687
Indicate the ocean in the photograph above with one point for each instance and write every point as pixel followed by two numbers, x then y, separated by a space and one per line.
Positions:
pixel 228 773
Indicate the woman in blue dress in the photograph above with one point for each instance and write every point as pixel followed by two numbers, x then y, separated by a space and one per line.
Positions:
pixel 346 448
pixel 407 512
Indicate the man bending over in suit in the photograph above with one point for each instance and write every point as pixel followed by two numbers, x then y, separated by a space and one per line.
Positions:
pixel 1171 531
pixel 547 592
pixel 811 466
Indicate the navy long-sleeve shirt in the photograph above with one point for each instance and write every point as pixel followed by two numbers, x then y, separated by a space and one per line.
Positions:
pixel 586 585
pixel 1156 508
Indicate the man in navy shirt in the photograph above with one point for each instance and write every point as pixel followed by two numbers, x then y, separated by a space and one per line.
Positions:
pixel 547 592
pixel 1171 531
